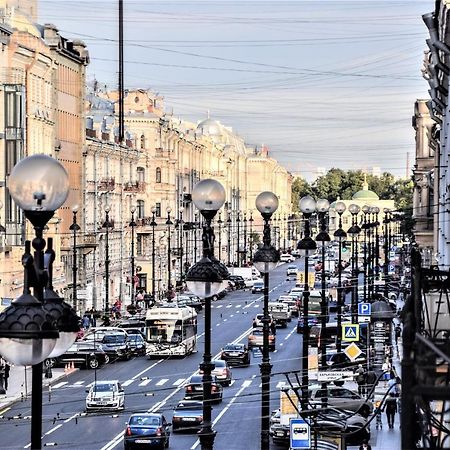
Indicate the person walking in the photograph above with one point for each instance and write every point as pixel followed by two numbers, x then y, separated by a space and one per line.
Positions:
pixel 360 378
pixel 7 370
pixel 390 408
pixel 386 368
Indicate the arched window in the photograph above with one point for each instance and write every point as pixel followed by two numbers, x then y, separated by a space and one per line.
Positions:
pixel 140 174
pixel 158 174
pixel 142 141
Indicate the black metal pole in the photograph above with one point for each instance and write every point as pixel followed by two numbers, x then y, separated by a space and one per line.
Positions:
pixel 284 232
pixel 355 271
pixel 386 254
pixel 169 269
pixel 132 225
pixel 153 224
pixel 339 293
pixel 74 228
pixel 121 78
pixel 251 235
pixel 377 250
pixel 107 268
pixel 180 225
pixel 244 255
pixel 219 222
pixel 365 258
pixel 238 222
pixel 229 239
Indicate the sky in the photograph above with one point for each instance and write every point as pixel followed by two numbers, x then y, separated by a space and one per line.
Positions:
pixel 323 83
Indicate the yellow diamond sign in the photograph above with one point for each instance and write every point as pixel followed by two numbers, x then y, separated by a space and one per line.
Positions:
pixel 352 351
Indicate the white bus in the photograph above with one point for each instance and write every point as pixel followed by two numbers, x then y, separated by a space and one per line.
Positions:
pixel 171 331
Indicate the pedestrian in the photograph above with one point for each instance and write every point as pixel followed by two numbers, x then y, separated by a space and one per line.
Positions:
pixel 7 370
pixel 371 379
pixel 379 418
pixel 273 327
pixel 390 408
pixel 361 379
pixel 254 323
pixel 86 322
pixel 386 368
pixel 365 445
pixel 397 333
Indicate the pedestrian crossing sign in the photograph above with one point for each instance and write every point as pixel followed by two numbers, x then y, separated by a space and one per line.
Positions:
pixel 350 332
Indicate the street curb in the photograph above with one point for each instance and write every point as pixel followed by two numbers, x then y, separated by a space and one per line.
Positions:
pixel 19 398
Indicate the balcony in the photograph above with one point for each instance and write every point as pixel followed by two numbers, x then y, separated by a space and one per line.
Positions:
pixel 134 186
pixel 162 153
pixel 91 133
pixel 106 184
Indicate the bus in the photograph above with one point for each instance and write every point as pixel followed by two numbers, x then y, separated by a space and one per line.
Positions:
pixel 171 331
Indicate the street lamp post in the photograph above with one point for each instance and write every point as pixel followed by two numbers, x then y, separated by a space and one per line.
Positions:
pixel 107 224
pixel 306 246
pixel 386 221
pixel 340 235
pixel 196 223
pixel 74 228
pixel 238 237
pixel 169 269
pixel 265 260
pixel 219 222
pixel 205 279
pixel 354 231
pixel 244 255
pixel 376 211
pixel 180 231
pixel 250 220
pixel 229 237
pixel 39 326
pixel 132 225
pixel 365 224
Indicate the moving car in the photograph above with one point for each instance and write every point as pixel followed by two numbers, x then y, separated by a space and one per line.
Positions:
pixel 258 286
pixel 136 343
pixel 221 371
pixel 236 354
pixel 255 339
pixel 194 389
pixel 116 345
pixel 149 430
pixel 286 257
pixel 238 281
pixel 108 395
pixel 291 271
pixel 86 355
pixel 187 416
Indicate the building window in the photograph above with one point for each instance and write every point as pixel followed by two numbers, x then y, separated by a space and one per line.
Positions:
pixel 140 209
pixel 158 210
pixel 142 141
pixel 140 174
pixel 139 245
pixel 158 174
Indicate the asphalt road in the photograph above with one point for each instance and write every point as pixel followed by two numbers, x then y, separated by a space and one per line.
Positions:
pixel 157 385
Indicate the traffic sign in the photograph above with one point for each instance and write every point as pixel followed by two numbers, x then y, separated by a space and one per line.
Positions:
pixel 363 319
pixel 352 351
pixel 350 332
pixel 334 375
pixel 364 309
pixel 391 268
pixel 300 434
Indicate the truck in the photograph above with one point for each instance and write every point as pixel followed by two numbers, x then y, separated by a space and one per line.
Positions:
pixel 249 274
pixel 280 312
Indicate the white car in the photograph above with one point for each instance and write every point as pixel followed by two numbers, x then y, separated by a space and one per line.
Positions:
pixel 286 257
pixel 105 395
pixel 291 271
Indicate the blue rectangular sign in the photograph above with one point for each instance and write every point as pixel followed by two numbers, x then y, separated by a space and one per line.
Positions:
pixel 300 434
pixel 364 309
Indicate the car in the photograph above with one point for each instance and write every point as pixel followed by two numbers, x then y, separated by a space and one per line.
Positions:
pixel 342 398
pixel 258 286
pixel 86 355
pixel 187 416
pixel 193 390
pixel 339 360
pixel 259 319
pixel 255 338
pixel 291 271
pixel 149 430
pixel 312 321
pixel 287 257
pixel 116 345
pixel 236 354
pixel 136 343
pixel 221 371
pixel 132 325
pixel 238 280
pixel 108 395
pixel 190 300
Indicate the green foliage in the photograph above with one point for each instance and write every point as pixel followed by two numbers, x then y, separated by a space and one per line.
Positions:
pixel 300 188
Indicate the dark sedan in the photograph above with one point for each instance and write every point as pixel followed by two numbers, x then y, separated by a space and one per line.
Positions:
pixel 116 346
pixel 136 342
pixel 236 354
pixel 187 416
pixel 87 355
pixel 147 431
pixel 194 389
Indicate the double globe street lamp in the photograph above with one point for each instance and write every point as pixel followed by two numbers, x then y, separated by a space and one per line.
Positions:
pixel 39 325
pixel 353 232
pixel 265 260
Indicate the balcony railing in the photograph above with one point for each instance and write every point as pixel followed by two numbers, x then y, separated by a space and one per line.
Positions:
pixel 106 184
pixel 134 186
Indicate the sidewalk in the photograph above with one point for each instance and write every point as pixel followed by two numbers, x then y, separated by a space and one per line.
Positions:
pixel 19 384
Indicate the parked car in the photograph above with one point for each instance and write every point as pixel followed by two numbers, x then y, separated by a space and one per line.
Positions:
pixel 236 354
pixel 258 286
pixel 149 430
pixel 116 345
pixel 342 398
pixel 86 355
pixel 286 257
pixel 339 361
pixel 194 389
pixel 136 343
pixel 105 395
pixel 221 371
pixel 187 416
pixel 190 300
pixel 255 339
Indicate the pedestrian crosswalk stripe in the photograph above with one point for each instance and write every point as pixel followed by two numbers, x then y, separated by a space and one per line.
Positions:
pixel 238 306
pixel 232 382
pixel 127 383
pixel 229 306
pixel 161 382
pixel 247 383
pixel 220 306
pixel 60 384
pixel 256 306
pixel 79 382
pixel 145 382
pixel 179 381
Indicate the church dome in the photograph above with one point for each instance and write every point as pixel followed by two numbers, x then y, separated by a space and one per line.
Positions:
pixel 365 194
pixel 209 127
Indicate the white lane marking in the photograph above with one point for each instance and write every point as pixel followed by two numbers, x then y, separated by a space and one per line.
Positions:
pixel 200 335
pixel 217 324
pixel 260 384
pixel 127 383
pixel 79 383
pixel 220 306
pixel 148 368
pixel 275 351
pixel 118 439
pixel 281 344
pixel 256 306
pixel 161 382
pixel 179 381
pixel 71 417
pixel 245 384
pixel 145 382
pixel 232 382
pixel 238 306
pixel 279 385
pixel 58 385
pixel 232 315
pixel 225 320
pixel 287 337
pixel 229 306
pixel 53 429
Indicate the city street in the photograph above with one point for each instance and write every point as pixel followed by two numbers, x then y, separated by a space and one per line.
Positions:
pixel 157 385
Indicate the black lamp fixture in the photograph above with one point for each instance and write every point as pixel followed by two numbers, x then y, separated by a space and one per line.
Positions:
pixel 133 274
pixel 74 227
pixel 205 279
pixel 307 246
pixel 29 330
pixel 353 232
pixel 251 241
pixel 265 260
pixel 169 255
pixel 107 224
pixel 365 227
pixel 339 235
pixel 386 221
pixel 153 225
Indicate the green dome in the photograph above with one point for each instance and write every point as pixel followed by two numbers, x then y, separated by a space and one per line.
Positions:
pixel 364 194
